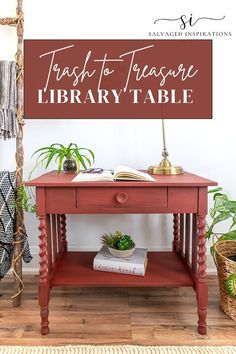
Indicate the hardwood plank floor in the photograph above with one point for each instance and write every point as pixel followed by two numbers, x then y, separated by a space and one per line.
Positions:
pixel 145 316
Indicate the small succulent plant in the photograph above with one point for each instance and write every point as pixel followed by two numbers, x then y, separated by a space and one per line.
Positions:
pixel 118 241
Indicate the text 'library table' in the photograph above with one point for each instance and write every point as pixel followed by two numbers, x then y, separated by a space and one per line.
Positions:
pixel 184 196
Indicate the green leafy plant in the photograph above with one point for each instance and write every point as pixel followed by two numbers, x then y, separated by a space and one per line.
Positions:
pixel 26 199
pixel 118 241
pixel 58 152
pixel 223 209
pixel 230 285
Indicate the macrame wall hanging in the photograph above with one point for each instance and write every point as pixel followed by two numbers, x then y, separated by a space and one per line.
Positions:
pixel 18 22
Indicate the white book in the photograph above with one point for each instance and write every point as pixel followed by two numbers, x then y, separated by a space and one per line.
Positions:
pixel 119 173
pixel 133 265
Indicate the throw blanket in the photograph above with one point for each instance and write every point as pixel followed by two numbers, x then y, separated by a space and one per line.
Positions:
pixel 7 218
pixel 8 124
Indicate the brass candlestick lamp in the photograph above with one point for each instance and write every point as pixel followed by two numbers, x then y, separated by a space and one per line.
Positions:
pixel 165 167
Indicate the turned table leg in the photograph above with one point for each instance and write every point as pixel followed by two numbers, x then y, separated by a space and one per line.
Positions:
pixel 175 244
pixel 201 286
pixel 63 232
pixel 44 289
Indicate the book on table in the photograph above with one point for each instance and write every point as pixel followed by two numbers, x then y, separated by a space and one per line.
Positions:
pixel 120 173
pixel 134 265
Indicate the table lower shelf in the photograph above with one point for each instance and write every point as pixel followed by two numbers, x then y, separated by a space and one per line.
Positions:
pixel 163 269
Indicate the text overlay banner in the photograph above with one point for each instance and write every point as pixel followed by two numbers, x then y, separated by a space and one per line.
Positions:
pixel 118 79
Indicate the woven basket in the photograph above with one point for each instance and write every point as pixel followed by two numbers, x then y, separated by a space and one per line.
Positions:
pixel 225 267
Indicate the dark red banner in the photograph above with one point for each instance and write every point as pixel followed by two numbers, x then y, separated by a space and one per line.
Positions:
pixel 118 79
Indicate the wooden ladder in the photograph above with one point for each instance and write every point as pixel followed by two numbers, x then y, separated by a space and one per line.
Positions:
pixel 18 22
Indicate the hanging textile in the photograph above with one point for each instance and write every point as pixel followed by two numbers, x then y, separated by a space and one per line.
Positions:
pixel 8 124
pixel 7 222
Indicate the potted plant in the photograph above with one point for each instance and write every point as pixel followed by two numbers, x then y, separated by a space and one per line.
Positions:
pixel 224 249
pixel 67 157
pixel 120 245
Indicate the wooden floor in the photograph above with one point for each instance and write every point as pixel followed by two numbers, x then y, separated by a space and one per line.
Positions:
pixel 151 316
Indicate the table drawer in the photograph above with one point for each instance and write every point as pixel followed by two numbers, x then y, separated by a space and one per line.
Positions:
pixel 60 200
pixel 121 199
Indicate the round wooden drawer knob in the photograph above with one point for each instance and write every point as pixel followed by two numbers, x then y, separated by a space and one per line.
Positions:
pixel 122 197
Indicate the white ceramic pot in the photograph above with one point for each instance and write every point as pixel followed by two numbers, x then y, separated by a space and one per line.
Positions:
pixel 121 254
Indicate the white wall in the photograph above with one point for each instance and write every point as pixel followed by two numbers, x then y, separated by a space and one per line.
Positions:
pixel 206 147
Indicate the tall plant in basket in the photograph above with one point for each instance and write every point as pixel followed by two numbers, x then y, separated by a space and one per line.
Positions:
pixel 223 249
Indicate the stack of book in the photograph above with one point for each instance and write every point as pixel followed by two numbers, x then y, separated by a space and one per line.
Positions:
pixel 134 265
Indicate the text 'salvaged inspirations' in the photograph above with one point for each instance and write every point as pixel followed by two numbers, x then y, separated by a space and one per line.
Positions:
pixel 118 79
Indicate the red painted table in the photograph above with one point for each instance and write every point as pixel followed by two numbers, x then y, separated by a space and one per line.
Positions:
pixel 184 196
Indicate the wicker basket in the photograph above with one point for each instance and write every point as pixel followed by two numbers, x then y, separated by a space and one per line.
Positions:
pixel 225 267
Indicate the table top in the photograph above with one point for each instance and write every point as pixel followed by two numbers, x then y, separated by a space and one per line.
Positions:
pixel 53 179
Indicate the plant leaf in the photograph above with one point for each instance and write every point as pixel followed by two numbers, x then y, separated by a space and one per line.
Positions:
pixel 62 147
pixel 60 160
pixel 219 209
pixel 46 152
pixel 79 158
pixel 212 212
pixel 221 217
pixel 219 199
pixel 215 190
pixel 212 251
pixel 231 205
pixel 230 285
pixel 69 151
pixel 34 168
pixel 217 219
pixel 87 159
pixel 90 151
pixel 209 233
pixel 228 236
pixel 50 157
pixel 82 161
pixel 41 149
pixel 234 222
